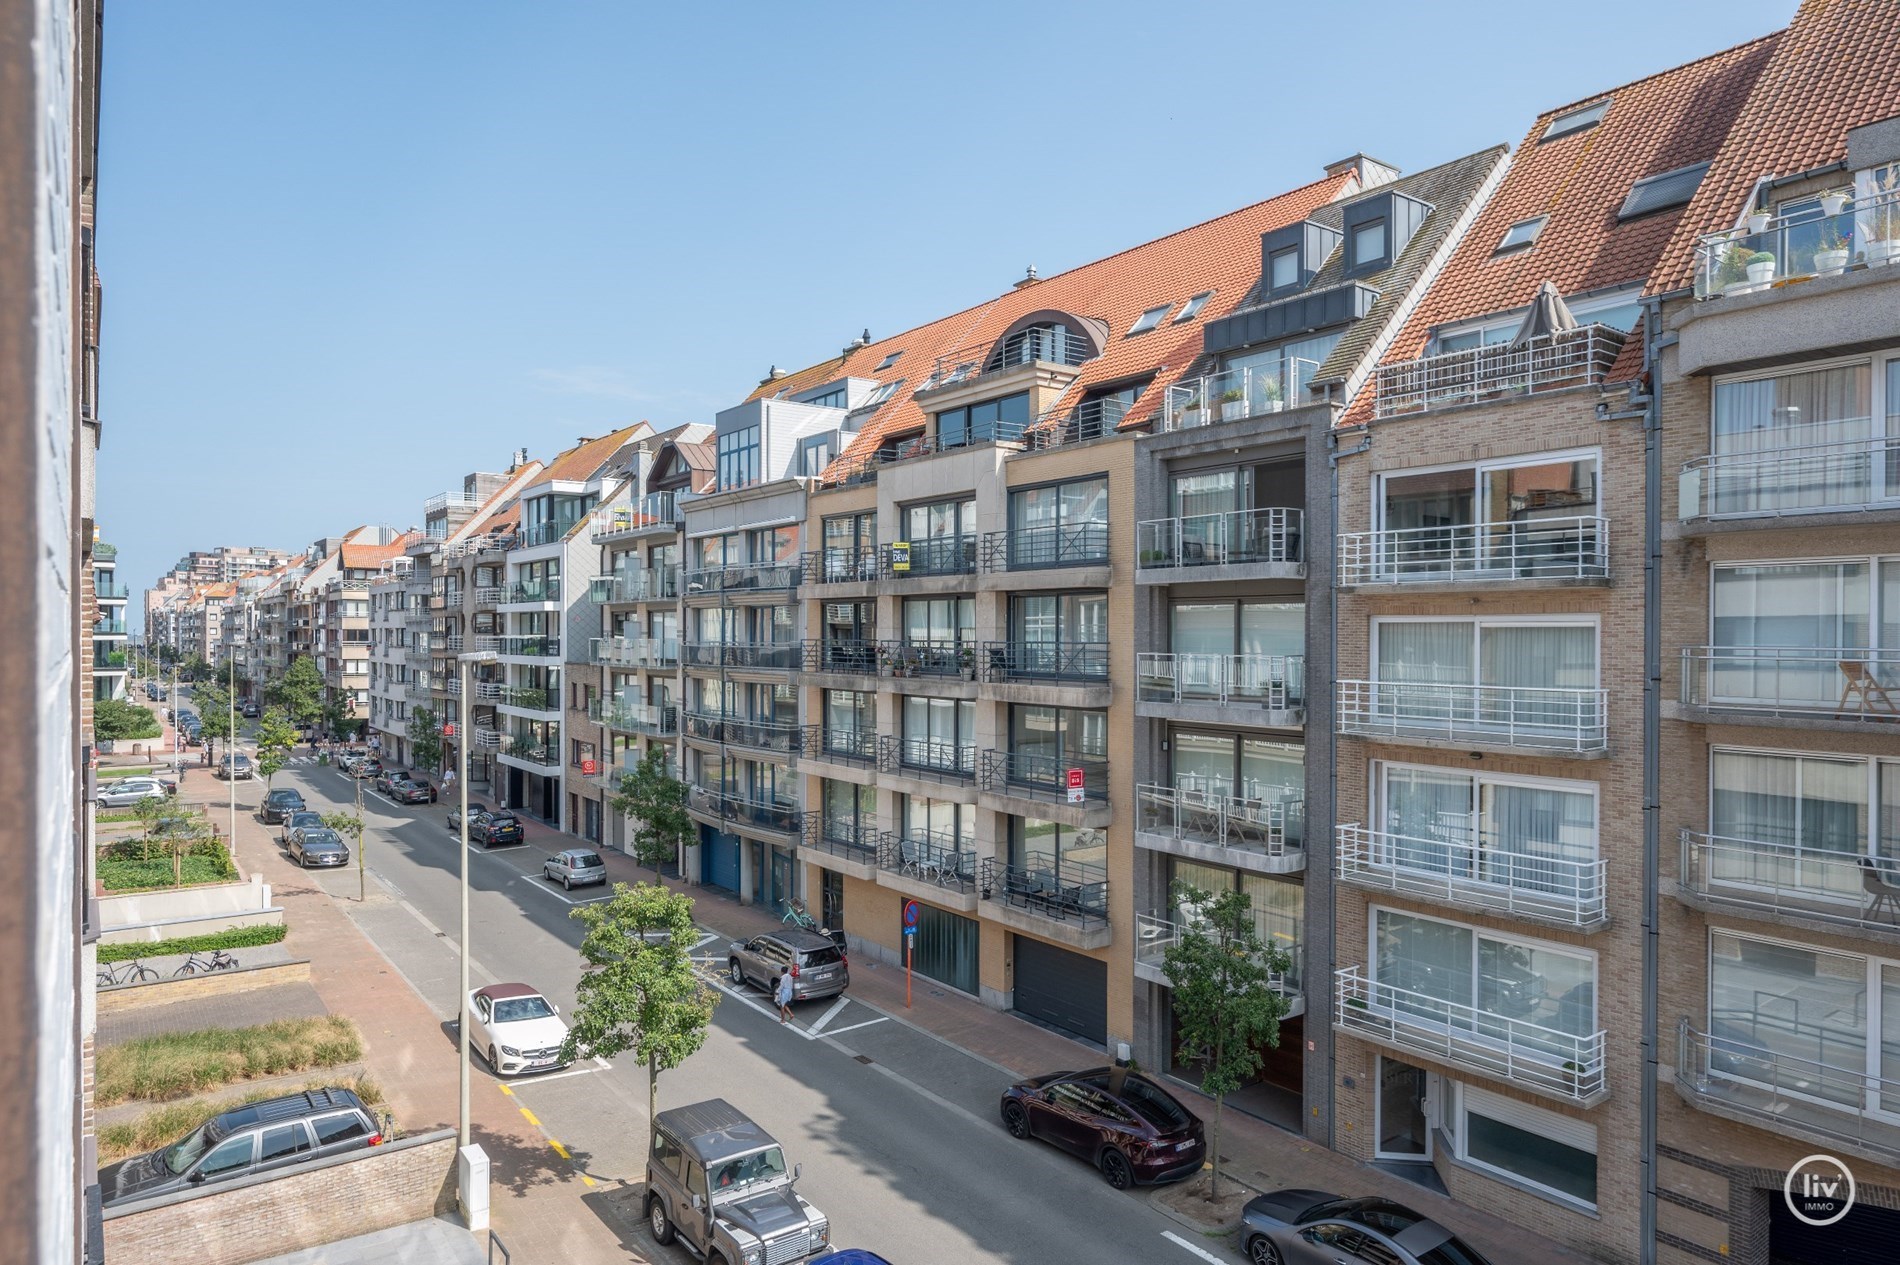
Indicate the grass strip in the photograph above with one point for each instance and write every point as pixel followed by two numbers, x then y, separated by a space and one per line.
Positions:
pixel 234 938
pixel 179 1064
pixel 164 1125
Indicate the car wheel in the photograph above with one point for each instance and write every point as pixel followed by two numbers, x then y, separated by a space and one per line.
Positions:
pixel 737 973
pixel 494 1064
pixel 1115 1169
pixel 1015 1119
pixel 660 1223
pixel 1262 1252
pixel 567 883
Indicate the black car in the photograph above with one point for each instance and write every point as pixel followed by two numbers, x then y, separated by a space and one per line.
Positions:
pixel 255 1138
pixel 1298 1227
pixel 281 803
pixel 1120 1121
pixel 318 846
pixel 499 827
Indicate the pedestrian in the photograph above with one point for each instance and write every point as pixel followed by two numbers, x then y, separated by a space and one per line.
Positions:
pixel 782 991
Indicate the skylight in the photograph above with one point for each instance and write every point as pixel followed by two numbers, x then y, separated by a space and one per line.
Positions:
pixel 880 393
pixel 1149 319
pixel 1667 189
pixel 888 361
pixel 1522 233
pixel 1192 308
pixel 1576 120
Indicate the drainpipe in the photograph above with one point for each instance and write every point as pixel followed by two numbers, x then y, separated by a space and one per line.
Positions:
pixel 1652 756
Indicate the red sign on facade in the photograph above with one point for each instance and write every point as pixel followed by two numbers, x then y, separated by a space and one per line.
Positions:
pixel 1076 791
pixel 589 767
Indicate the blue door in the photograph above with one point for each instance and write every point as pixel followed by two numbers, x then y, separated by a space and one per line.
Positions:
pixel 718 859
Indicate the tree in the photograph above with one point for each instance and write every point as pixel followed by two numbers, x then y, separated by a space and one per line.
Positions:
pixel 114 718
pixel 425 738
pixel 299 692
pixel 639 990
pixel 336 717
pixel 194 668
pixel 656 800
pixel 1225 1004
pixel 351 826
pixel 275 738
pixel 214 711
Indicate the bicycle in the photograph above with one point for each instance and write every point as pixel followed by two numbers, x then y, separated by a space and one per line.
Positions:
pixel 219 961
pixel 132 971
pixel 796 914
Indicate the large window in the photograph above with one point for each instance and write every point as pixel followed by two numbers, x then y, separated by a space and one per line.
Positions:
pixel 940 733
pixel 1522 677
pixel 1059 524
pixel 1785 822
pixel 985 422
pixel 1533 834
pixel 1276 377
pixel 1789 632
pixel 850 718
pixel 1045 742
pixel 850 811
pixel 1519 516
pixel 940 620
pixel 738 457
pixel 1255 771
pixel 1826 437
pixel 941 536
pixel 1554 1152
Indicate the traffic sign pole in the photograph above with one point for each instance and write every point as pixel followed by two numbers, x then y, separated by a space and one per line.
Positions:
pixel 910 940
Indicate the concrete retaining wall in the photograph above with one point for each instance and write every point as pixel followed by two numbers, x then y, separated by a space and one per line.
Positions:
pixel 188 911
pixel 192 987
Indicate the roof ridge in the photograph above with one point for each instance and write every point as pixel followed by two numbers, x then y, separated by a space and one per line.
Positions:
pixel 1668 70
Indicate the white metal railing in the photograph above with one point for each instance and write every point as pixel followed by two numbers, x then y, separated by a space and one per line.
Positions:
pixel 486 739
pixel 1742 1065
pixel 1849 888
pixel 1157 932
pixel 1270 827
pixel 450 501
pixel 640 584
pixel 1233 394
pixel 655 511
pixel 1565 1064
pixel 487 691
pixel 1776 473
pixel 1843 683
pixel 1545 719
pixel 637 652
pixel 1526 879
pixel 1809 243
pixel 1275 682
pixel 1571 548
pixel 1548 362
pixel 1202 540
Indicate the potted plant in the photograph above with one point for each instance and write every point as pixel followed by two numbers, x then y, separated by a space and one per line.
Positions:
pixel 1233 404
pixel 1761 267
pixel 1270 392
pixel 1758 221
pixel 1732 271
pixel 1192 412
pixel 1831 254
pixel 1833 203
pixel 1883 233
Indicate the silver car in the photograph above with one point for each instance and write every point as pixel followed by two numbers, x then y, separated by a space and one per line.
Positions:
pixel 315 846
pixel 128 791
pixel 818 966
pixel 1312 1227
pixel 575 867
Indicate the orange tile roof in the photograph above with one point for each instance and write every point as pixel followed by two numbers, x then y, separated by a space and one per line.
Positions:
pixel 1221 255
pixel 1836 67
pixel 369 557
pixel 584 460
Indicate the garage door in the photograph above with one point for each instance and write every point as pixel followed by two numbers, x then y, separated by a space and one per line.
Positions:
pixel 1865 1236
pixel 718 859
pixel 1062 989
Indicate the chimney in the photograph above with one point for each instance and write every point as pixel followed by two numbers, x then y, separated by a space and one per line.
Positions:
pixel 1369 171
pixel 1029 278
pixel 772 375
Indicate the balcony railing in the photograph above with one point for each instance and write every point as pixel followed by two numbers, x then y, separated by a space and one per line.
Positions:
pixel 650 719
pixel 653 512
pixel 488 596
pixel 929 856
pixel 1740 1067
pixel 783 737
pixel 548 590
pixel 760 656
pixel 767 815
pixel 642 584
pixel 840 564
pixel 1533 882
pixel 1234 394
pixel 1087 421
pixel 927 757
pixel 1051 545
pixel 1810 243
pixel 1157 932
pixel 1275 682
pixel 1218 540
pixel 1839 683
pixel 418 616
pixel 485 738
pixel 444 502
pixel 1038 344
pixel 840 746
pixel 933 555
pixel 744 578
pixel 1548 362
pixel 1843 888
pixel 1085 661
pixel 529 698
pixel 534 647
pixel 542 533
pixel 857 658
pixel 534 750
pixel 1576 548
pixel 955 660
pixel 1077 891
pixel 1563 1064
pixel 1512 715
pixel 852 840
pixel 1814 468
pixel 1045 776
pixel 637 652
pixel 107 591
pixel 1269 827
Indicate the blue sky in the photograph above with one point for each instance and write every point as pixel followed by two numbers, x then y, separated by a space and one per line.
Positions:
pixel 353 250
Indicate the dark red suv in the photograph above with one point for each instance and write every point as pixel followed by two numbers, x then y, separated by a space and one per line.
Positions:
pixel 1122 1122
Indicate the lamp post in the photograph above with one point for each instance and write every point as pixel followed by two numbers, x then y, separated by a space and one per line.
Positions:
pixel 462 737
pixel 230 749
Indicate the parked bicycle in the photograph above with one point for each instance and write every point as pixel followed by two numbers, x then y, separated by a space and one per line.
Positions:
pixel 798 915
pixel 131 971
pixel 218 961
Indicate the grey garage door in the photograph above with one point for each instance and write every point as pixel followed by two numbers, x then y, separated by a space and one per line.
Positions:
pixel 1062 989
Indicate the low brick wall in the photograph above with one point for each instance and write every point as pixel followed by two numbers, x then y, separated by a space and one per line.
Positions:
pixel 191 987
pixel 289 1211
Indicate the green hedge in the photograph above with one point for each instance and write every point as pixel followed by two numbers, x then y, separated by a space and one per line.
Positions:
pixel 234 938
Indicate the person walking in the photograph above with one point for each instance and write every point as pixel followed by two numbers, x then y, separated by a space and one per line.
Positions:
pixel 782 991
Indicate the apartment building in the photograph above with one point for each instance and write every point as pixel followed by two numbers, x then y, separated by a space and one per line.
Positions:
pixel 391 640
pixel 1776 371
pixel 108 625
pixel 226 562
pixel 1487 858
pixel 340 617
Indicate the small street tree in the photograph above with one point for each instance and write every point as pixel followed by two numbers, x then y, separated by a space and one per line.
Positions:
pixel 351 826
pixel 1225 1004
pixel 214 712
pixel 299 692
pixel 425 738
pixel 115 719
pixel 639 991
pixel 656 800
pixel 275 738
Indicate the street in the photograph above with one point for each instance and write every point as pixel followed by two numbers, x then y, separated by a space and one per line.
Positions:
pixel 897 1131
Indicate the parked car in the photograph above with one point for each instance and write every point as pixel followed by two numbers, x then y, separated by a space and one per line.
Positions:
pixel 819 967
pixel 384 777
pixel 125 792
pixel 303 819
pixel 848 1256
pixel 1120 1121
pixel 1308 1227
pixel 367 767
pixel 488 828
pixel 281 803
pixel 516 1029
pixel 719 1181
pixel 575 867
pixel 194 738
pixel 316 846
pixel 235 767
pixel 475 809
pixel 250 711
pixel 412 791
pixel 254 1138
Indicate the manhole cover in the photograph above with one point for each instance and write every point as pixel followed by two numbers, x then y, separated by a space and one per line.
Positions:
pixel 862 1058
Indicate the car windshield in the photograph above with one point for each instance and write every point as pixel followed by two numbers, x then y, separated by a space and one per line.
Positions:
pixel 502 819
pixel 522 1009
pixel 747 1170
pixel 828 956
pixel 1154 1104
pixel 182 1154
pixel 585 861
pixel 306 819
pixel 1378 1214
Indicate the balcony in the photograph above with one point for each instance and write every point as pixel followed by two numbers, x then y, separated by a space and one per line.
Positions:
pixel 849 658
pixel 936 555
pixel 1038 344
pixel 841 564
pixel 1547 1061
pixel 858 747
pixel 1275 684
pixel 637 652
pixel 1574 550
pixel 525 647
pixel 1156 933
pixel 771 817
pixel 485 738
pixel 1078 891
pixel 448 643
pixel 1033 661
pixel 417 616
pixel 451 502
pixel 745 656
pixel 644 584
pixel 1236 394
pixel 488 596
pixel 1572 721
pixel 103 552
pixel 783 738
pixel 1850 686
pixel 1041 548
pixel 1480 875
pixel 650 719
pixel 1064 779
pixel 1737 1072
pixel 1267 542
pixel 1812 243
pixel 846 839
pixel 1247 832
pixel 536 534
pixel 750 577
pixel 533 751
pixel 107 591
pixel 1814 888
pixel 1828 467
pixel 534 592
pixel 931 758
pixel 655 512
pixel 417 653
pixel 930 858
pixel 1549 362
pixel 528 698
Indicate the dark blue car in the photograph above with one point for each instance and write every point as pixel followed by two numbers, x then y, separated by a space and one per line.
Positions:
pixel 848 1256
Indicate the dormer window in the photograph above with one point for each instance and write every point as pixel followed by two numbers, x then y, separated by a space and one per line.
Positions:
pixel 1285 269
pixel 1192 308
pixel 1149 319
pixel 1368 244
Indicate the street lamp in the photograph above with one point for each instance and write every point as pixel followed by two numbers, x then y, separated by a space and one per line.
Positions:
pixel 462 737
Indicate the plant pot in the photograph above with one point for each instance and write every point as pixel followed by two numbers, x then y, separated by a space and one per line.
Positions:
pixel 1758 221
pixel 1761 274
pixel 1233 411
pixel 1193 417
pixel 1833 203
pixel 1883 252
pixel 1830 260
pixel 1274 406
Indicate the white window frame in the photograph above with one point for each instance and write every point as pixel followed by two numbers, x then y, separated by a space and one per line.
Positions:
pixel 1376 793
pixel 1878 406
pixel 1872 762
pixel 1509 322
pixel 1535 229
pixel 1480 468
pixel 1192 308
pixel 1872 561
pixel 1581 118
pixel 1553 1122
pixel 1150 318
pixel 1568 619
pixel 1479 931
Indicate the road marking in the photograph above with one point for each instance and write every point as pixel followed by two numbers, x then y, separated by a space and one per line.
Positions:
pixel 868 1023
pixel 554 1076
pixel 539 883
pixel 560 1150
pixel 503 1087
pixel 1195 1248
pixel 551 1139
pixel 530 1116
pixel 831 1014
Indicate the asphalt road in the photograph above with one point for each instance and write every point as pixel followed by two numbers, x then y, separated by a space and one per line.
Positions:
pixel 897 1131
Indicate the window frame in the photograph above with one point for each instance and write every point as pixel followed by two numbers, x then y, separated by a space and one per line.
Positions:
pixel 1150 319
pixel 1192 308
pixel 1577 119
pixel 1461 1150
pixel 1480 932
pixel 1479 469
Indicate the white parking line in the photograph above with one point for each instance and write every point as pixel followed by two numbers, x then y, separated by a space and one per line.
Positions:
pixel 539 884
pixel 837 1032
pixel 1195 1248
pixel 555 1076
pixel 831 1014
